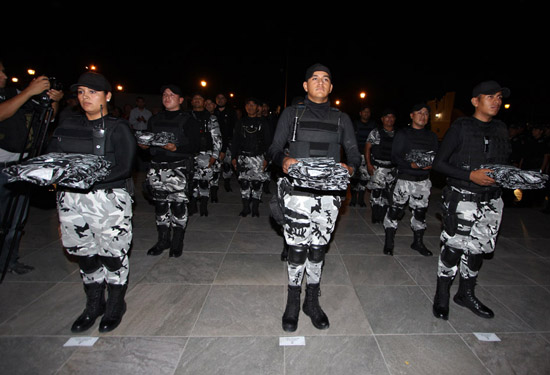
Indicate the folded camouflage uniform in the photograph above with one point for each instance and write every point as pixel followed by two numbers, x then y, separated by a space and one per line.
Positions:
pixel 155 139
pixel 79 171
pixel 508 176
pixel 319 174
pixel 421 158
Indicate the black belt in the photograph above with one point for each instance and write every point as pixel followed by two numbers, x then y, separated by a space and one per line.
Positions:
pixel 168 165
pixel 410 177
pixel 485 196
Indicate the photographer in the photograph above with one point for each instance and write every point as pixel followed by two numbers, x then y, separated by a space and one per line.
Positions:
pixel 15 110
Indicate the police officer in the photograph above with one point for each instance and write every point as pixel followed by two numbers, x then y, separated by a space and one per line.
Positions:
pixel 226 118
pixel 170 170
pixel 209 151
pixel 472 202
pixel 413 183
pixel 380 166
pixel 363 126
pixel 96 224
pixel 312 130
pixel 251 140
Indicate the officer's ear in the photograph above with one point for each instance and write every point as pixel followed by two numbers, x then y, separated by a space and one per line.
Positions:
pixel 475 101
pixel 108 96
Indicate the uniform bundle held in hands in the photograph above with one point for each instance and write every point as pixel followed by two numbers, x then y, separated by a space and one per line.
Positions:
pixel 319 174
pixel 511 177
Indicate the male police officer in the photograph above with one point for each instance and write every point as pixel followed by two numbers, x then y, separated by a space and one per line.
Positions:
pixel 413 183
pixel 312 130
pixel 472 202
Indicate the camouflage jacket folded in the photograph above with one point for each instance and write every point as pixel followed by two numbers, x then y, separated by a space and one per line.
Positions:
pixel 508 176
pixel 78 171
pixel 421 158
pixel 155 139
pixel 319 174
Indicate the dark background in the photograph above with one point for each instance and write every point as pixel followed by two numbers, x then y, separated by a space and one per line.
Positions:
pixel 399 56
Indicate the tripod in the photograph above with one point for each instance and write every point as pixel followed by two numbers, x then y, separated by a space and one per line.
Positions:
pixel 13 219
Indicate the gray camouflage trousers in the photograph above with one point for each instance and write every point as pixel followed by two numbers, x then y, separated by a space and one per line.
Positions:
pixel 475 232
pixel 380 184
pixel 203 176
pixel 251 176
pixel 360 178
pixel 416 194
pixel 169 186
pixel 308 220
pixel 98 223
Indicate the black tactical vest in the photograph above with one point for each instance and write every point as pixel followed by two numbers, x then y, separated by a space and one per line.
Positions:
pixel 172 123
pixel 382 151
pixel 481 144
pixel 252 131
pixel 314 137
pixel 206 141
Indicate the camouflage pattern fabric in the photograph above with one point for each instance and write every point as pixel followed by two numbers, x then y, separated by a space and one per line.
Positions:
pixel 421 158
pixel 97 223
pixel 78 171
pixel 361 177
pixel 155 139
pixel 204 175
pixel 308 219
pixel 382 178
pixel 474 230
pixel 416 194
pixel 168 184
pixel 511 177
pixel 319 174
pixel 251 168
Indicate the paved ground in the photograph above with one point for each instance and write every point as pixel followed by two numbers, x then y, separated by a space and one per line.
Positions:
pixel 217 309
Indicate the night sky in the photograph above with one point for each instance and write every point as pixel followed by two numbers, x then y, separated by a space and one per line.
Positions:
pixel 398 59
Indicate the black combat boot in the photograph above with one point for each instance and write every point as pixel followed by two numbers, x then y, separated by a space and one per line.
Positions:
pixel 95 307
pixel 389 241
pixel 361 198
pixel 353 200
pixel 255 207
pixel 192 206
pixel 466 297
pixel 227 184
pixel 441 299
pixel 292 310
pixel 246 207
pixel 418 243
pixel 312 309
pixel 204 206
pixel 176 248
pixel 163 241
pixel 116 307
pixel 213 194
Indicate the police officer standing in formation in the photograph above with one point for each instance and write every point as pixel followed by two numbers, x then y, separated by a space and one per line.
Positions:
pixel 380 166
pixel 226 120
pixel 170 171
pixel 472 202
pixel 358 187
pixel 209 151
pixel 96 224
pixel 413 183
pixel 313 129
pixel 251 140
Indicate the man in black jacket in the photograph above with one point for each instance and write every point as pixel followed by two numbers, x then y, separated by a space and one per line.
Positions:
pixel 472 202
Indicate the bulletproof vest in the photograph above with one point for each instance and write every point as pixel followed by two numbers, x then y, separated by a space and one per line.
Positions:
pixel 81 136
pixel 252 130
pixel 420 139
pixel 382 151
pixel 314 137
pixel 172 123
pixel 14 130
pixel 206 142
pixel 481 144
pixel 362 133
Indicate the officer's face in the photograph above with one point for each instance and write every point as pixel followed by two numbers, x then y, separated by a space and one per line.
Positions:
pixel 487 106
pixel 318 87
pixel 251 109
pixel 171 101
pixel 420 118
pixel 221 100
pixel 388 120
pixel 365 114
pixel 197 102
pixel 94 103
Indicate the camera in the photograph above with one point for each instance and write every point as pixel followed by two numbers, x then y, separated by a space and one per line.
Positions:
pixel 43 98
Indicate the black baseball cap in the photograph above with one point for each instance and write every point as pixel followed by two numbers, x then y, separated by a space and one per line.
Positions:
pixel 93 81
pixel 489 88
pixel 174 88
pixel 317 68
pixel 419 106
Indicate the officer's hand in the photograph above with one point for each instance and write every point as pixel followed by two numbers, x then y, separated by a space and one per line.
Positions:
pixel 287 162
pixel 170 147
pixel 38 85
pixel 480 177
pixel 234 164
pixel 212 161
pixel 55 95
pixel 145 147
pixel 222 156
pixel 350 169
pixel 370 169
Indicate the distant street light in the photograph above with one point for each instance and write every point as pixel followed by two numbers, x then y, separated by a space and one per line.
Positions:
pixel 362 95
pixel 203 83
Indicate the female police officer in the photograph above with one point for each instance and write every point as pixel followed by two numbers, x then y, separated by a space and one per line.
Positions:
pixel 96 223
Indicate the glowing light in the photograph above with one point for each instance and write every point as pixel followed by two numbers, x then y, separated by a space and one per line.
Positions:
pixel 203 83
pixel 120 87
pixel 363 95
pixel 31 72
